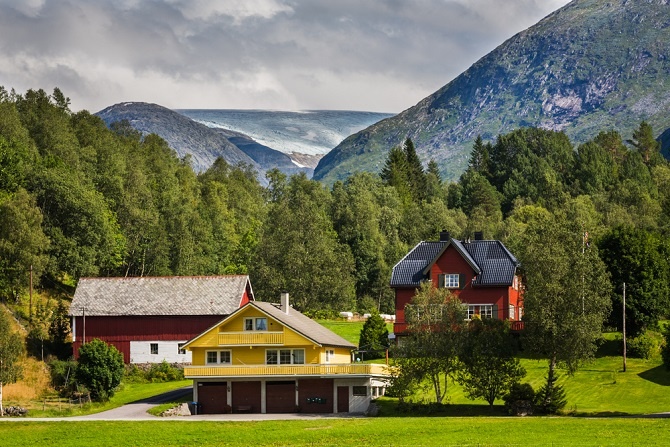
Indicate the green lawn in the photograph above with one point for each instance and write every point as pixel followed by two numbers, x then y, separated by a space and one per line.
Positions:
pixel 349 330
pixel 127 393
pixel 344 432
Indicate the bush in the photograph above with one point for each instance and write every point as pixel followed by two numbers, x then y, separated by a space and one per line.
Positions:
pixel 164 372
pixel 63 376
pixel 100 369
pixel 644 346
pixel 550 398
pixel 519 400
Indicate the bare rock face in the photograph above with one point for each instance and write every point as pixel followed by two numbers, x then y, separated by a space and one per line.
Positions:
pixel 591 66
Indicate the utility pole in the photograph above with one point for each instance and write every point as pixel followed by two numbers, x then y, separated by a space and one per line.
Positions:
pixel 30 293
pixel 83 313
pixel 624 327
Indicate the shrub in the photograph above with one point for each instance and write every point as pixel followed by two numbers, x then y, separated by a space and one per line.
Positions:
pixel 644 346
pixel 164 372
pixel 550 398
pixel 100 369
pixel 63 376
pixel 519 400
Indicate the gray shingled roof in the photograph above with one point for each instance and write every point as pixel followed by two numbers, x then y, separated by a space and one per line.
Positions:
pixel 304 325
pixel 491 260
pixel 160 296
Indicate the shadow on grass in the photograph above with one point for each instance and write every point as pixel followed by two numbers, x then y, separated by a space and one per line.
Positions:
pixel 658 375
pixel 395 409
pixel 609 348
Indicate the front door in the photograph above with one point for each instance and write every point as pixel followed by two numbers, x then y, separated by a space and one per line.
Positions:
pixel 343 399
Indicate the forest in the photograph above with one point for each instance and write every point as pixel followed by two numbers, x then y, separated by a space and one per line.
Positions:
pixel 78 199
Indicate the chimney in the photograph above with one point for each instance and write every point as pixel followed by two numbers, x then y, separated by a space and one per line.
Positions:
pixel 283 300
pixel 444 236
pixel 479 235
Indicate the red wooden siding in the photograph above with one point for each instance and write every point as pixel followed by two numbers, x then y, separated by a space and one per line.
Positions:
pixel 451 261
pixel 120 331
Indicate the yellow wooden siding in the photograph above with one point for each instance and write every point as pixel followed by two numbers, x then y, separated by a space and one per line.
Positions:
pixel 283 370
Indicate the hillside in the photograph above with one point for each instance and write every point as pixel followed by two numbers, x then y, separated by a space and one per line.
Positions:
pixel 182 134
pixel 590 66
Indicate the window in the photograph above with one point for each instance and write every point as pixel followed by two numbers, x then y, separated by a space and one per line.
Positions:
pixel 271 357
pixel 298 356
pixel 248 324
pixel 255 324
pixel 154 348
pixel 261 324
pixel 451 281
pixel 482 310
pixel 359 390
pixel 180 348
pixel 218 358
pixel 511 312
pixel 330 355
pixel 285 356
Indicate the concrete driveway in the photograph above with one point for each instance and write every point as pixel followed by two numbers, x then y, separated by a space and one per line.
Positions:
pixel 137 411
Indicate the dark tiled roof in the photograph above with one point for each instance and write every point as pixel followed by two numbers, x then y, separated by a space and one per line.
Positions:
pixel 497 263
pixel 159 296
pixel 409 271
pixel 490 260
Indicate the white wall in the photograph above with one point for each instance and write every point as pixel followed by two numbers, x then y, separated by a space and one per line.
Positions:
pixel 140 352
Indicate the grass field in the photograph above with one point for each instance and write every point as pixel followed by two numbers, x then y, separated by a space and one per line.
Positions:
pixel 344 432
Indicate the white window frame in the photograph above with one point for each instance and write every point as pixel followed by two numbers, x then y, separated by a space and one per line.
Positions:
pixel 330 354
pixel 152 350
pixel 452 280
pixel 223 357
pixel 511 311
pixel 485 311
pixel 288 353
pixel 180 349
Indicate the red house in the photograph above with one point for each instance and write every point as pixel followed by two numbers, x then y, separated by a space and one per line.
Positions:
pixel 481 273
pixel 148 319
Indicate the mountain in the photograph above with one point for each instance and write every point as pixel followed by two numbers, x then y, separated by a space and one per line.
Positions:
pixel 305 136
pixel 182 134
pixel 593 65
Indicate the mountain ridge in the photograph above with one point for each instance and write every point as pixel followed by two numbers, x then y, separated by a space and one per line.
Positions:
pixel 590 66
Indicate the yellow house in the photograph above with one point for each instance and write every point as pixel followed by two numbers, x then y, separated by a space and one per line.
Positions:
pixel 268 358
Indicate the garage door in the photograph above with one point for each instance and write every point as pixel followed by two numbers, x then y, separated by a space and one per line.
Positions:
pixel 246 397
pixel 316 395
pixel 212 398
pixel 280 397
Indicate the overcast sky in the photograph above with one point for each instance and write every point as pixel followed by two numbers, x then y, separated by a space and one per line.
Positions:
pixel 267 54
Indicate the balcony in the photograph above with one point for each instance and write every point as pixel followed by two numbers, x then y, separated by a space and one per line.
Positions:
pixel 258 338
pixel 353 369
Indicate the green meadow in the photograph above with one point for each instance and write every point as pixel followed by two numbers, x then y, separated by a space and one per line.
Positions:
pixel 410 431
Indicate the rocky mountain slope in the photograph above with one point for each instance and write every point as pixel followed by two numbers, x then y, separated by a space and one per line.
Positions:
pixel 182 134
pixel 592 65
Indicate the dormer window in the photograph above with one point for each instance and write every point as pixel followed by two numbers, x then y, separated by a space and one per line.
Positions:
pixel 450 280
pixel 256 324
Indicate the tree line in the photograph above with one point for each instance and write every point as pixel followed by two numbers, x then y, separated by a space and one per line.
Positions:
pixel 80 199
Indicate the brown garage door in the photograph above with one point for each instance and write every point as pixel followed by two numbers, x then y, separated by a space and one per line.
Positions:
pixel 315 395
pixel 246 397
pixel 280 397
pixel 212 397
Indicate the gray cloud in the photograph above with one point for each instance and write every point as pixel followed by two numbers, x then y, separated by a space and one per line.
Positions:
pixel 383 55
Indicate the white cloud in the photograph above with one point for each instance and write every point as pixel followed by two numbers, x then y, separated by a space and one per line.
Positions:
pixel 383 55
